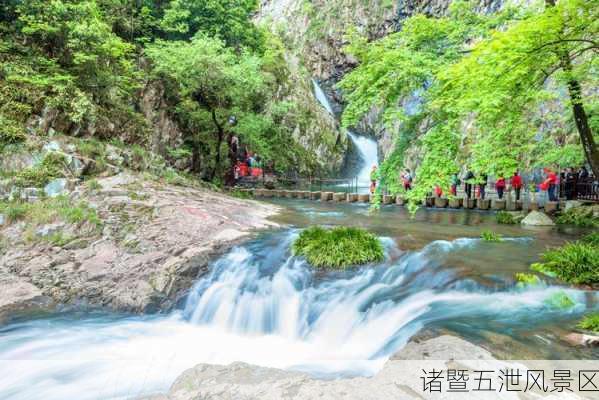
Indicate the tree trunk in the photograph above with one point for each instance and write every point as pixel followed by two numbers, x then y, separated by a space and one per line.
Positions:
pixel 580 116
pixel 220 136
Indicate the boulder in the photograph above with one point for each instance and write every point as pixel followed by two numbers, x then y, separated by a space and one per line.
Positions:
pixel 456 202
pixel 581 339
pixel 364 198
pixel 441 202
pixel 56 187
pixel 352 197
pixel 570 204
pixel 315 195
pixel 536 218
pixel 388 199
pixel 498 204
pixel 326 196
pixel 400 201
pixel 339 197
pixel 483 204
pixel 469 203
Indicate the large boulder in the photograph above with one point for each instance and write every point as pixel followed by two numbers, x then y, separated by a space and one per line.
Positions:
pixel 536 218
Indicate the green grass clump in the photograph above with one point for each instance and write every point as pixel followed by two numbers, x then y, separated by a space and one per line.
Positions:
pixel 576 263
pixel 525 279
pixel 489 236
pixel 590 323
pixel 504 217
pixel 579 216
pixel 339 247
pixel 240 194
pixel 591 238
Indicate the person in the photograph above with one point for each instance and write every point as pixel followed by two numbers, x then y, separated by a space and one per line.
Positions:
pixel 455 181
pixel 500 186
pixel 550 183
pixel 570 178
pixel 251 160
pixel 407 180
pixel 438 191
pixel 482 186
pixel 517 184
pixel 373 179
pixel 583 173
pixel 467 185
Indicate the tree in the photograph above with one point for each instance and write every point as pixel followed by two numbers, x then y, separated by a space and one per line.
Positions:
pixel 230 20
pixel 213 82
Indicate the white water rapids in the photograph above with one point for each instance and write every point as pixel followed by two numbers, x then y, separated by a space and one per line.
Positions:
pixel 262 306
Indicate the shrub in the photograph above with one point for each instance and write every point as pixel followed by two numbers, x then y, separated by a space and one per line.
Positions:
pixel 11 132
pixel 338 247
pixel 579 216
pixel 240 194
pixel 576 263
pixel 590 323
pixel 489 236
pixel 591 238
pixel 504 217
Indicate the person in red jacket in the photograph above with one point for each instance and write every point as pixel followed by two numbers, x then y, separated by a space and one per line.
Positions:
pixel 551 183
pixel 500 186
pixel 517 184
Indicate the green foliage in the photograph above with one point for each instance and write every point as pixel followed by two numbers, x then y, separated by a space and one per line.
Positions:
pixel 338 248
pixel 473 90
pixel 525 279
pixel 240 194
pixel 560 300
pixel 591 239
pixel 490 236
pixel 52 166
pixel 579 216
pixel 590 323
pixel 10 132
pixel 504 217
pixel 576 263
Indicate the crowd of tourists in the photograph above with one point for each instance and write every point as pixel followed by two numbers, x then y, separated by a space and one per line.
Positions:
pixel 570 183
pixel 246 162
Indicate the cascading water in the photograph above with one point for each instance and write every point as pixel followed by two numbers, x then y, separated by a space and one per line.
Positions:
pixel 369 154
pixel 263 306
pixel 367 147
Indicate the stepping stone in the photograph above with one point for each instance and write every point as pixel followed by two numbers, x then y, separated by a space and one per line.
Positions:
pixel 441 202
pixel 499 204
pixel 456 202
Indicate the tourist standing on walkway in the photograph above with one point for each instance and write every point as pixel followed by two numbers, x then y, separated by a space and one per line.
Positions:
pixel 373 178
pixel 550 183
pixel 500 186
pixel 482 186
pixel 467 183
pixel 455 181
pixel 517 184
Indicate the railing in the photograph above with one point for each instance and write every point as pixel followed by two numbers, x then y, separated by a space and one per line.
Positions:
pixel 587 190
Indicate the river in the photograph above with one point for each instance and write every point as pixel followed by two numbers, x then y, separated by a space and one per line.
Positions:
pixel 263 306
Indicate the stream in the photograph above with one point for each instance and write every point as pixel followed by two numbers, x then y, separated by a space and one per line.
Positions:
pixel 261 305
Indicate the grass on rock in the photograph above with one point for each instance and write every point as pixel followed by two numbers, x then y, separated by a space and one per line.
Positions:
pixel 339 247
pixel 576 262
pixel 489 236
pixel 504 217
pixel 590 323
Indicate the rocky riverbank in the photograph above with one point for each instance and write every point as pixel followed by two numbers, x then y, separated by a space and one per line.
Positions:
pixel 148 242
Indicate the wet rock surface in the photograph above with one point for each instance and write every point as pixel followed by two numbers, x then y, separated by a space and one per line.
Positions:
pixel 155 241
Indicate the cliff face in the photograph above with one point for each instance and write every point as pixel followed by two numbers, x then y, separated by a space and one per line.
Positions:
pixel 314 31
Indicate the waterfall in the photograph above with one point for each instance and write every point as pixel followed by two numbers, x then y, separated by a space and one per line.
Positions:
pixel 322 97
pixel 367 147
pixel 369 155
pixel 261 305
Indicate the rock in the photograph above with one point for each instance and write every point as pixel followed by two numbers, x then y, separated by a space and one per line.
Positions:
pixel 570 204
pixel 29 194
pixel 315 195
pixel 338 197
pixel 2 220
pixel 551 206
pixel 364 198
pixel 17 295
pixel 352 197
pixel 581 339
pixel 400 378
pixel 483 204
pixel 49 229
pixel 441 202
pixel 388 199
pixel 498 204
pixel 56 187
pixel 536 218
pixel 326 196
pixel 51 146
